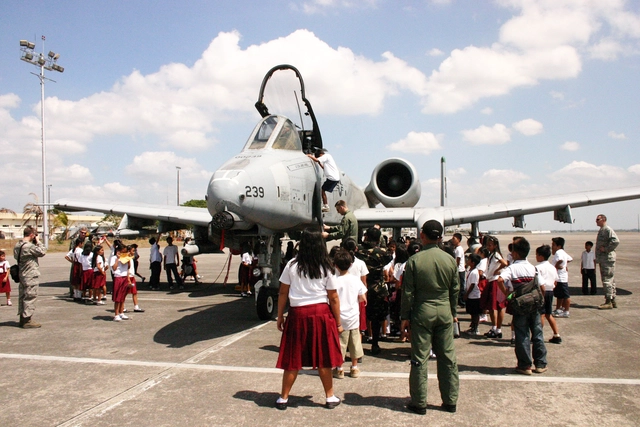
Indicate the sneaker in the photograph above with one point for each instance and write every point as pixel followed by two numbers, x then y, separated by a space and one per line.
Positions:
pixel 354 372
pixel 199 276
pixel 325 208
pixel 556 313
pixel 124 316
pixel 524 371
pixel 540 370
pixel 100 303
pixel 484 318
pixel 9 302
pixel 103 298
pixel 338 373
pixel 138 310
pixel 563 315
pixel 555 340
pixel 117 318
pixel 249 293
pixel 243 294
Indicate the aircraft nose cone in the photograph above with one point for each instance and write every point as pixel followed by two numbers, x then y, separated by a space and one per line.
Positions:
pixel 228 194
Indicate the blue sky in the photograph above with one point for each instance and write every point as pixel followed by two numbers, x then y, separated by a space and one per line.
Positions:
pixel 522 97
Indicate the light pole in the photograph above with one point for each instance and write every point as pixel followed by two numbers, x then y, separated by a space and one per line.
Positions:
pixel 48 62
pixel 178 185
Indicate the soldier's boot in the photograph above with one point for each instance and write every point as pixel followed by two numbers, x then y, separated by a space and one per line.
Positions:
pixel 21 320
pixel 607 305
pixel 613 302
pixel 30 324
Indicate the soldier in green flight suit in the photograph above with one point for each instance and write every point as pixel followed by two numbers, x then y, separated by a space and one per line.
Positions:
pixel 348 227
pixel 430 288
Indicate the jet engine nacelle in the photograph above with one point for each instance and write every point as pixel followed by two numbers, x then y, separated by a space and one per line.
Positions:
pixel 395 184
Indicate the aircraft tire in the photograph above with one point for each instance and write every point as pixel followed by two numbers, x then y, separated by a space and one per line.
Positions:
pixel 266 304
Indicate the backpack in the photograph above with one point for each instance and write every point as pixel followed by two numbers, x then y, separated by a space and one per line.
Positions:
pixel 14 270
pixel 526 299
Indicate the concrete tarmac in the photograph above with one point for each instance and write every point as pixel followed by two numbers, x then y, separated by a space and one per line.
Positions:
pixel 200 357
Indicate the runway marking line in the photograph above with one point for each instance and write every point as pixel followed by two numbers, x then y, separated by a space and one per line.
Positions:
pixel 191 364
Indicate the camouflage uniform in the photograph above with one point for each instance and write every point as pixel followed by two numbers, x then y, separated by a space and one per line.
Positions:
pixel 377 291
pixel 29 275
pixel 606 245
pixel 430 288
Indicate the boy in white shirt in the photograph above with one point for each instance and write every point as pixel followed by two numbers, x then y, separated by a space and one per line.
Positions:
pixel 560 260
pixel 550 276
pixel 588 269
pixel 351 291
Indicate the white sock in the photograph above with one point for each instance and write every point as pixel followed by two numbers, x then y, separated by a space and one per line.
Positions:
pixel 281 400
pixel 332 399
pixel 136 307
pixel 499 330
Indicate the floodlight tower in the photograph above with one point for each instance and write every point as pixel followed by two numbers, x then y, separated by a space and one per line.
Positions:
pixel 49 63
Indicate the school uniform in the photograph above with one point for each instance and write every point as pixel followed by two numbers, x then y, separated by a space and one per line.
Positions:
pixel 310 337
pixel 4 275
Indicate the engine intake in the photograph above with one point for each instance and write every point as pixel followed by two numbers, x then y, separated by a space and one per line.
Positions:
pixel 395 184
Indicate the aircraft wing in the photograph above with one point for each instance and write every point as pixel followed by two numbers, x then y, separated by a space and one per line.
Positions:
pixel 560 204
pixel 162 213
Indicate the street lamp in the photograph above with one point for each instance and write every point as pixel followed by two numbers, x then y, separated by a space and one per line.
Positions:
pixel 178 185
pixel 44 62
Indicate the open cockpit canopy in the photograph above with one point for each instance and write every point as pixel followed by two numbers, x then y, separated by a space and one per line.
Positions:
pixel 285 95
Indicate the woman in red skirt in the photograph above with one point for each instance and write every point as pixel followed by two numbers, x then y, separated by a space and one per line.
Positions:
pixel 311 330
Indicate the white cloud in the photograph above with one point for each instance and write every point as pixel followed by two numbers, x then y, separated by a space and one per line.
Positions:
pixel 72 173
pixel 616 135
pixel 497 134
pixel 557 95
pixel 634 169
pixel 435 52
pixel 159 164
pixel 528 127
pixel 570 146
pixel 487 111
pixel 588 174
pixel 606 50
pixel 418 142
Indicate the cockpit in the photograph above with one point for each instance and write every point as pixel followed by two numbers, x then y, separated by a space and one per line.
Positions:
pixel 275 132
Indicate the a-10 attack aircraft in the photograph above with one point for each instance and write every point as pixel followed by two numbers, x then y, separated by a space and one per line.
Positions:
pixel 271 188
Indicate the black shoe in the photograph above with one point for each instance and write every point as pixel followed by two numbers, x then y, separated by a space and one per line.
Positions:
pixel 138 310
pixel 493 334
pixel 416 409
pixel 331 405
pixel 449 408
pixel 375 349
pixel 513 341
pixel 555 340
pixel 281 406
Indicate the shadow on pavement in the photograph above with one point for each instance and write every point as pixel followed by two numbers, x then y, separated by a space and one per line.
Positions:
pixel 486 370
pixel 207 322
pixel 268 399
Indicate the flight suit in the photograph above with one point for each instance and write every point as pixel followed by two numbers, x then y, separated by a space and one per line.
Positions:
pixel 348 227
pixel 607 240
pixel 29 275
pixel 430 289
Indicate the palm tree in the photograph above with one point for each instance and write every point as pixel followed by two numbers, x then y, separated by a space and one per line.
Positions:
pixel 61 220
pixel 32 209
pixel 7 210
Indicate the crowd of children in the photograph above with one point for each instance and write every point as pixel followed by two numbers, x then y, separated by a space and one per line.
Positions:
pixel 89 274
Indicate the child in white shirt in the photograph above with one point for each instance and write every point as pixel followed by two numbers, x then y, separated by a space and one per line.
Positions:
pixel 350 291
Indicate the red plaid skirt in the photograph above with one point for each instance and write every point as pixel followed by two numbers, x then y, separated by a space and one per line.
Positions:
pixel 310 339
